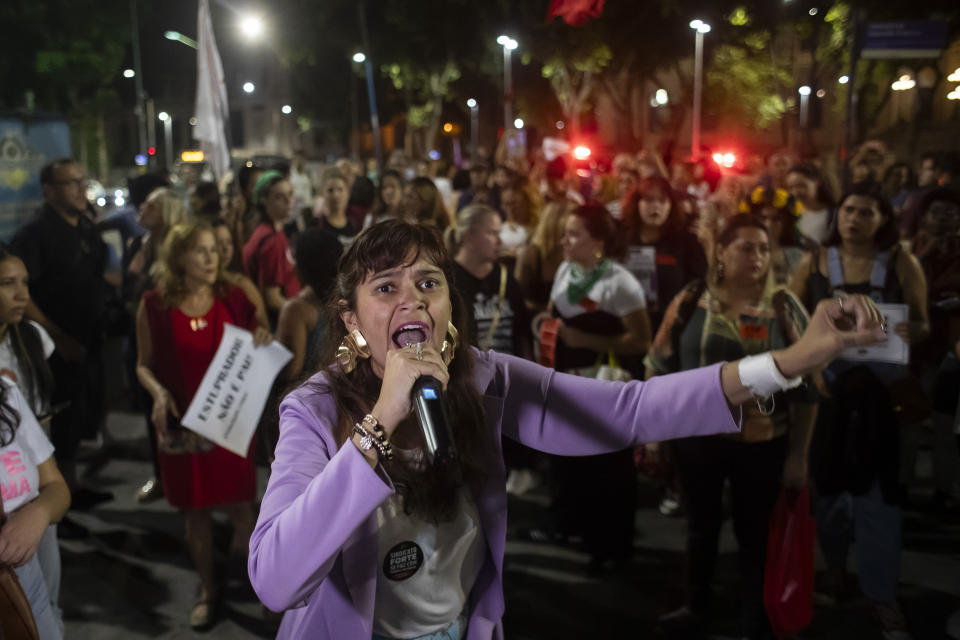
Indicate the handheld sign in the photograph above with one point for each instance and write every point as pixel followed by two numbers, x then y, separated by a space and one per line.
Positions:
pixel 234 390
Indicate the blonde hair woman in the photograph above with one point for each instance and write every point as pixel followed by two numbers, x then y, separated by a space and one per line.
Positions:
pixel 179 327
pixel 538 261
pixel 161 211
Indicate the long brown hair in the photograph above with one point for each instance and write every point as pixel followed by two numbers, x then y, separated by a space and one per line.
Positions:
pixel 427 492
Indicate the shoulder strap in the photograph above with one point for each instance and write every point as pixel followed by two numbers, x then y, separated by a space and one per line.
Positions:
pixel 835 268
pixel 689 305
pixel 496 316
pixel 878 276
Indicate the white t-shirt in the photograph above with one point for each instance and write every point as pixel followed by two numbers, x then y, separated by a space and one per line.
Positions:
pixel 302 189
pixel 19 460
pixel 513 236
pixel 813 224
pixel 10 367
pixel 618 293
pixel 425 571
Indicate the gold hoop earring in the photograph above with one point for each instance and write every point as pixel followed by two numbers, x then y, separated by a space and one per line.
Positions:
pixel 449 346
pixel 599 255
pixel 353 346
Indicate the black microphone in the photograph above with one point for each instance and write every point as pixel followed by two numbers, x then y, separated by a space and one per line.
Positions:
pixel 427 399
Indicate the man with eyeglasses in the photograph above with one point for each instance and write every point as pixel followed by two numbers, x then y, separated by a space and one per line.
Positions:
pixel 67 263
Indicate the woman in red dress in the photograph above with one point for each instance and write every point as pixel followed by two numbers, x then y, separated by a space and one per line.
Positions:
pixel 179 327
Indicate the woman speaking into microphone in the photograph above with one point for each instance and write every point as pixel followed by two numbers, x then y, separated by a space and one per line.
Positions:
pixel 360 536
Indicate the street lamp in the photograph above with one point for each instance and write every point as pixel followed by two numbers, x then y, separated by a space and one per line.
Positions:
pixel 508 44
pixel 249 87
pixel 176 36
pixel 167 121
pixel 359 57
pixel 699 27
pixel 904 83
pixel 286 109
pixel 843 79
pixel 252 26
pixel 474 127
pixel 518 123
pixel 804 92
pixel 129 73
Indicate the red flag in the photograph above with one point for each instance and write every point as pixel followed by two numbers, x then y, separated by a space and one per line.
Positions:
pixel 575 12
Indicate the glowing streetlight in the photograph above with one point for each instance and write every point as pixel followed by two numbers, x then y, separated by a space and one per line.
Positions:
pixel 359 57
pixel 249 87
pixel 508 44
pixel 129 73
pixel 251 26
pixel 176 36
pixel 954 95
pixel 472 103
pixel 518 123
pixel 700 28
pixel 955 76
pixel 163 116
pixel 904 83
pixel 843 79
pixel 286 109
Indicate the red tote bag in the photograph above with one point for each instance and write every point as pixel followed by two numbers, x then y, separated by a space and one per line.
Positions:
pixel 788 582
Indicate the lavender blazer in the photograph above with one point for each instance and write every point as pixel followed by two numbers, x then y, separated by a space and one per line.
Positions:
pixel 313 552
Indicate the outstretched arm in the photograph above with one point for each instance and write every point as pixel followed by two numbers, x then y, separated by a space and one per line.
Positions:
pixel 836 324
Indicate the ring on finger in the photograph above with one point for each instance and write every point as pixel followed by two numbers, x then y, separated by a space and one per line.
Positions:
pixel 840 302
pixel 419 351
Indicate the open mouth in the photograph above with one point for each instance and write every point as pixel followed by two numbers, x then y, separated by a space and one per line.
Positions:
pixel 411 333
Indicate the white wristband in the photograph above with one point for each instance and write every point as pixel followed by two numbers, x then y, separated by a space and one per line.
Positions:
pixel 761 375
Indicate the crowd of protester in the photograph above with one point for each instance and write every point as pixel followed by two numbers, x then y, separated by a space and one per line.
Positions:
pixel 648 270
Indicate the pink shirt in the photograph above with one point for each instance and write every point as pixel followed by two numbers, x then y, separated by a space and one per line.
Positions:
pixel 20 460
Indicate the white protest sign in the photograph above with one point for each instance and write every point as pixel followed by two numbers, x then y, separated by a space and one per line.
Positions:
pixel 893 350
pixel 234 390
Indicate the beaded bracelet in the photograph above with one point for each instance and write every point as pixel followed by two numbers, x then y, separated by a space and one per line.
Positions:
pixel 373 436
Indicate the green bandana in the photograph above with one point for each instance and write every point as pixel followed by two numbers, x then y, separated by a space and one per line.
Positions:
pixel 582 280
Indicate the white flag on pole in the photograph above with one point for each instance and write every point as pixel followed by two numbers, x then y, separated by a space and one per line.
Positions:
pixel 212 111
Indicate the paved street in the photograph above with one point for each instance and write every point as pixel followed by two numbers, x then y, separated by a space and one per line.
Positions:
pixel 131 577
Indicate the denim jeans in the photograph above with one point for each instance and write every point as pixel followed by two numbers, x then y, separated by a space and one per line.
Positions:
pixel 876 527
pixel 48 554
pixel 35 587
pixel 456 631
